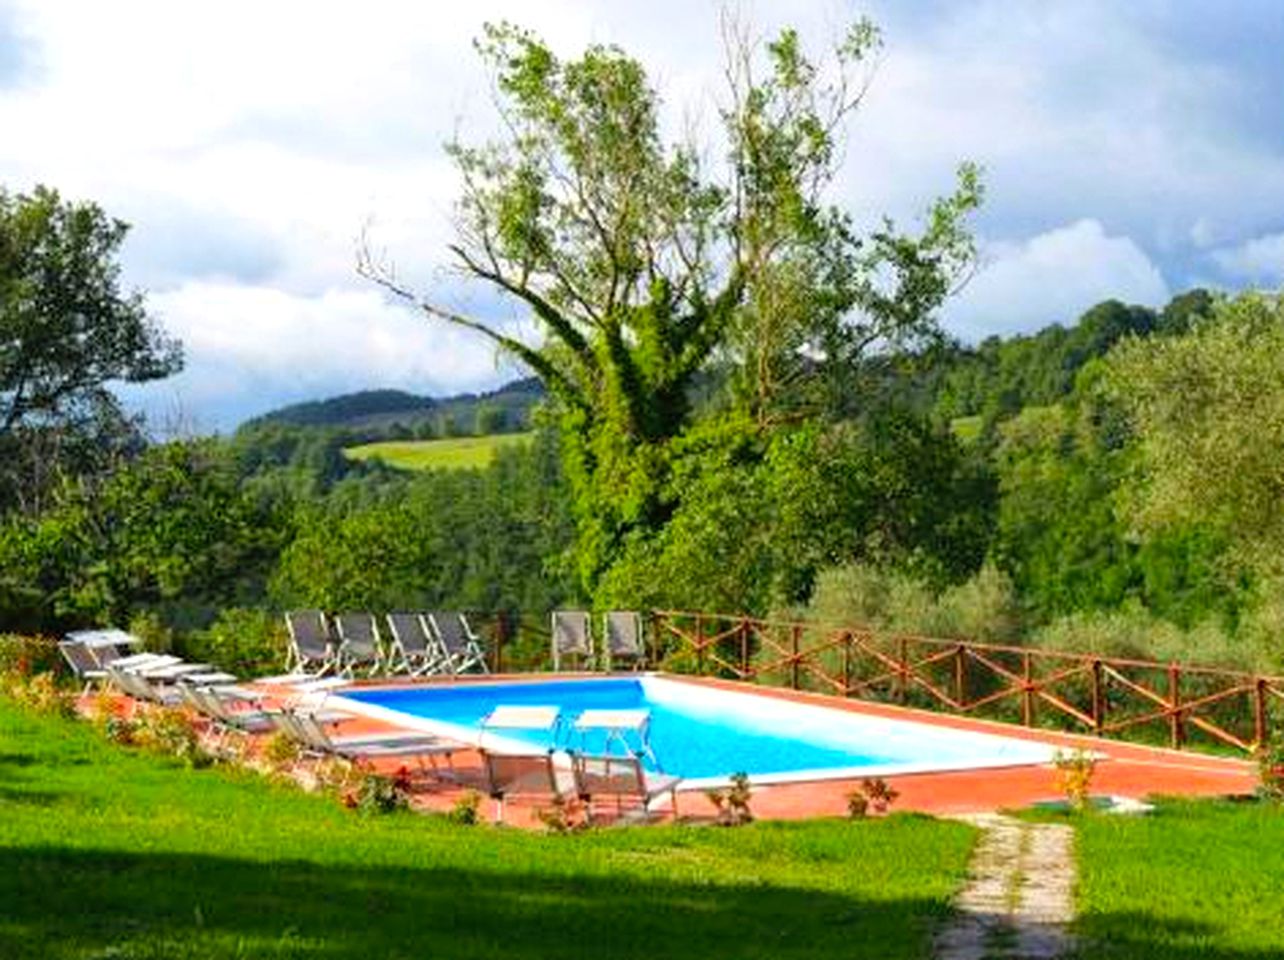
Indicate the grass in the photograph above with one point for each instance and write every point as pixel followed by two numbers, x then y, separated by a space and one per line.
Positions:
pixel 107 852
pixel 451 453
pixel 1195 879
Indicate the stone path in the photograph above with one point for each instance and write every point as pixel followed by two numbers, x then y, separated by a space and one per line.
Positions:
pixel 1019 895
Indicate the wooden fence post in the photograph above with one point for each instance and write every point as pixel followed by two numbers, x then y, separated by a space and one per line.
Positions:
pixel 795 635
pixel 847 663
pixel 1260 733
pixel 1027 690
pixel 700 644
pixel 903 671
pixel 1176 728
pixel 744 649
pixel 960 677
pixel 1098 699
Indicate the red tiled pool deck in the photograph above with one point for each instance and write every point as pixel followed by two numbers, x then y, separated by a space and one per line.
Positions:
pixel 1123 769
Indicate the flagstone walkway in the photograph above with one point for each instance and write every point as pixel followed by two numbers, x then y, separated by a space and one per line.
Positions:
pixel 1019 897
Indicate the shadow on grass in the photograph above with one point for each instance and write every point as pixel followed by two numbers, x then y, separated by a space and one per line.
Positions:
pixel 31 798
pixel 1137 935
pixel 62 903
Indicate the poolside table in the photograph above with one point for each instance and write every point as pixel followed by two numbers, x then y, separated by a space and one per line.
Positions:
pixel 512 717
pixel 618 724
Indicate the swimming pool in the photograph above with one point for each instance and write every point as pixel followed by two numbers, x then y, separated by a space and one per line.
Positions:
pixel 703 733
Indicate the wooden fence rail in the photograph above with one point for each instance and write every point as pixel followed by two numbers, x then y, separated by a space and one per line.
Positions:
pixel 1079 692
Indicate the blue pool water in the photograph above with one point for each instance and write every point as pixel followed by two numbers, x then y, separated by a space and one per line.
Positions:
pixel 702 733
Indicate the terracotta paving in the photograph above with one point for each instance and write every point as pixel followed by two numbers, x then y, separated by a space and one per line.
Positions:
pixel 1124 769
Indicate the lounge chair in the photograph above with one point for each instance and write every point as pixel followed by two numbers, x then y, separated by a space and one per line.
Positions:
pixel 311 645
pixel 623 639
pixel 572 637
pixel 524 774
pixel 358 644
pixel 623 778
pixel 310 731
pixel 228 713
pixel 462 647
pixel 82 663
pixel 413 649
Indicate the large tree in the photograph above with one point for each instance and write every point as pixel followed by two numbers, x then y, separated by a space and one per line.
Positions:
pixel 644 262
pixel 67 330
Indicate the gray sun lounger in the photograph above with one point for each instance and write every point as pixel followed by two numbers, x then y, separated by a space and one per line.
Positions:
pixel 359 646
pixel 622 643
pixel 413 649
pixel 462 648
pixel 572 638
pixel 311 645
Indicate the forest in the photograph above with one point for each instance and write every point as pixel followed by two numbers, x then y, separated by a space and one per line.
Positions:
pixel 743 401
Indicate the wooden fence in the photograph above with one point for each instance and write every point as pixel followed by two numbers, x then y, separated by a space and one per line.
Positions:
pixel 1184 705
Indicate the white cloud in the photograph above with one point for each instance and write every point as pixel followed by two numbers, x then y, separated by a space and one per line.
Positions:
pixel 253 348
pixel 249 143
pixel 1053 278
pixel 1260 260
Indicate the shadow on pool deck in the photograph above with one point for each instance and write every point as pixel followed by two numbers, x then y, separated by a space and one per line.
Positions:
pixel 63 903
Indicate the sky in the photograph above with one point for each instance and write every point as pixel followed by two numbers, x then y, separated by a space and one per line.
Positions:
pixel 1131 150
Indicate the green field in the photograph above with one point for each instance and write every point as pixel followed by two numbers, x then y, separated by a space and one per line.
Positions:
pixel 109 852
pixel 450 453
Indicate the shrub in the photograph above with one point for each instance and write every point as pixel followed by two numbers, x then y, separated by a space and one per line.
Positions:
pixel 376 793
pixel 1075 770
pixel 563 815
pixel 171 732
pixel 1270 768
pixel 281 751
pixel 879 793
pixel 465 809
pixel 242 640
pixel 857 805
pixel 40 692
pixel 733 803
pixel 25 655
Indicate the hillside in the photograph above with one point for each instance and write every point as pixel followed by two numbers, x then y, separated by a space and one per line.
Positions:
pixel 400 413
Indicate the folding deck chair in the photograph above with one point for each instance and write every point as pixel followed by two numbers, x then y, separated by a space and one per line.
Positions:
pixel 413 649
pixel 358 643
pixel 624 779
pixel 524 774
pixel 572 637
pixel 309 730
pixel 311 644
pixel 623 639
pixel 462 647
pixel 82 663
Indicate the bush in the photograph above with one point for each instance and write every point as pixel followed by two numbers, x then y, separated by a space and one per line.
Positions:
pixel 1133 632
pixel 27 655
pixel 465 809
pixel 1270 768
pixel 39 692
pixel 985 607
pixel 243 641
pixel 171 732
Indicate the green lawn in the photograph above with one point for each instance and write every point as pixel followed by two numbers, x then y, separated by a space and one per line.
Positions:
pixel 1193 880
pixel 451 453
pixel 108 852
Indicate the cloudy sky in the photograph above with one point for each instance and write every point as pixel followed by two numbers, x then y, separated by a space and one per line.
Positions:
pixel 1132 150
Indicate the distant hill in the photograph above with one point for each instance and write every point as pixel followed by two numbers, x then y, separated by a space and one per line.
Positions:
pixel 397 412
